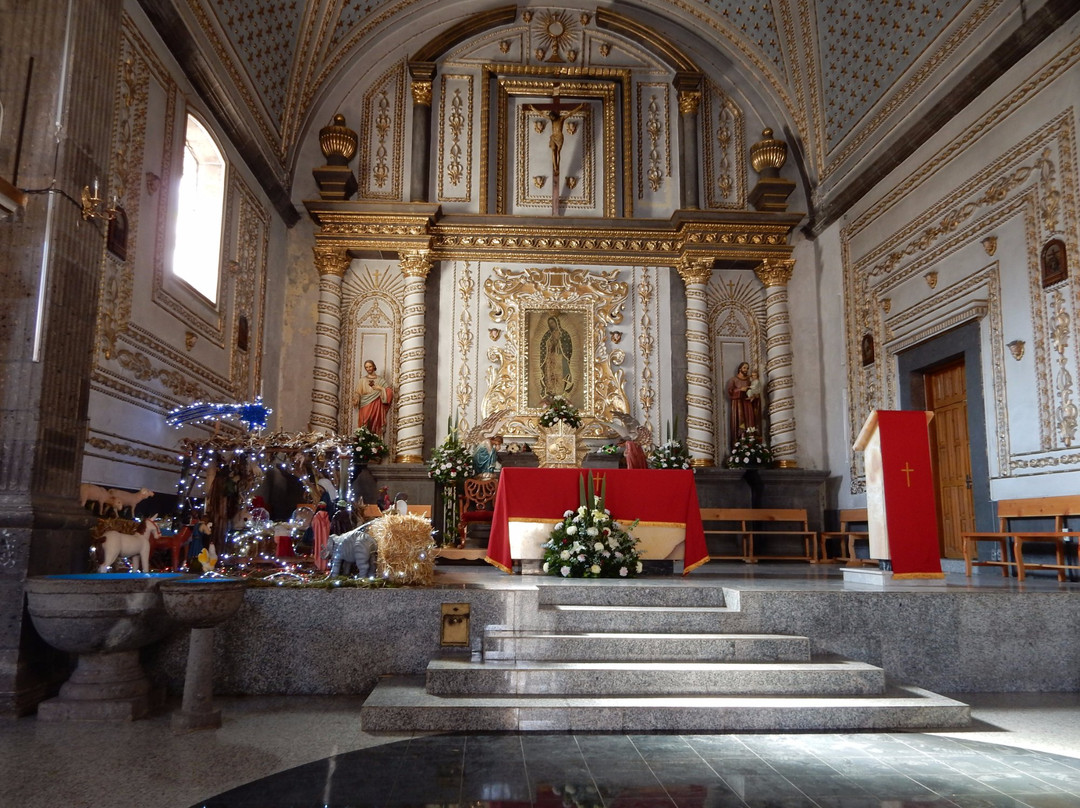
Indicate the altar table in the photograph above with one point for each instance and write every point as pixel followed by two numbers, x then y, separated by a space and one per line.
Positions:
pixel 530 502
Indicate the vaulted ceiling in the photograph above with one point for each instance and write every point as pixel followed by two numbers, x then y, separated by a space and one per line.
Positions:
pixel 861 81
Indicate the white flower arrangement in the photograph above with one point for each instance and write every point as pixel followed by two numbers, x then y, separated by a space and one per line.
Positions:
pixel 450 461
pixel 609 550
pixel 748 451
pixel 671 454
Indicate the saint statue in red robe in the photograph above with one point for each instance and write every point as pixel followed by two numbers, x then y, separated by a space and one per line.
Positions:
pixel 373 396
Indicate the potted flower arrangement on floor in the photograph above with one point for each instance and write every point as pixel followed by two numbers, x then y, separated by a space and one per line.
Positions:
pixel 588 543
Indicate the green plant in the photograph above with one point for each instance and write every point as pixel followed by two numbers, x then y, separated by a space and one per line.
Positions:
pixel 588 543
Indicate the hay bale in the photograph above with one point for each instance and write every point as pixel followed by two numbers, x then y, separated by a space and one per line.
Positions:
pixel 406 551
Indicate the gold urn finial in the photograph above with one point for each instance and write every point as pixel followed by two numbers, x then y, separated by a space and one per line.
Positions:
pixel 768 155
pixel 338 142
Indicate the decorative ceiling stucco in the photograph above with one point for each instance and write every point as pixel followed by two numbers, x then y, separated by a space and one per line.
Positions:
pixel 845 71
pixel 263 34
pixel 865 49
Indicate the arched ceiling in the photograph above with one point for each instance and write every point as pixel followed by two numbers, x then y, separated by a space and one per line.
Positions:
pixel 849 73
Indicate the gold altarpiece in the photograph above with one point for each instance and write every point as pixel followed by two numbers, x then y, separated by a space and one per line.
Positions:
pixel 567 259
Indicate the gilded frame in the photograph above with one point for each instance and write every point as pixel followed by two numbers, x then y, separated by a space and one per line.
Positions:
pixel 608 88
pixel 586 303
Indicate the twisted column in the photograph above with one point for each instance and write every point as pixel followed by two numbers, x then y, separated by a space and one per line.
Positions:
pixel 780 385
pixel 410 424
pixel 699 426
pixel 331 263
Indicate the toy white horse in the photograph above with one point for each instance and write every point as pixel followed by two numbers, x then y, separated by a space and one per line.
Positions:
pixel 129 545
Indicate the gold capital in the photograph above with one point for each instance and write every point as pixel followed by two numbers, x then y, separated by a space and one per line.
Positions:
pixel 415 264
pixel 695 270
pixel 331 261
pixel 775 271
pixel 689 100
pixel 421 93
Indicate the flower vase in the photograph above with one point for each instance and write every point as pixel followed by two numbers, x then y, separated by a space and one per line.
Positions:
pixel 449 514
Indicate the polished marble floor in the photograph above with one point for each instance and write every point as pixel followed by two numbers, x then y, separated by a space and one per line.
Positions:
pixel 829 771
pixel 1023 749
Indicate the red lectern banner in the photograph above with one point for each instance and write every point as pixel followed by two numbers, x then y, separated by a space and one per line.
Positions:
pixel 910 510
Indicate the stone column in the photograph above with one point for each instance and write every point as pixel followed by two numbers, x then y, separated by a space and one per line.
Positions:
pixel 52 270
pixel 775 274
pixel 688 86
pixel 700 436
pixel 332 264
pixel 410 424
pixel 422 74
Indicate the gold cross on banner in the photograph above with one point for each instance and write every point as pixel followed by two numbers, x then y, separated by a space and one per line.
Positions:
pixel 907 469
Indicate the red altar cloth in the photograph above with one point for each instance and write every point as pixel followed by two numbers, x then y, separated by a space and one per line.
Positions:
pixel 651 495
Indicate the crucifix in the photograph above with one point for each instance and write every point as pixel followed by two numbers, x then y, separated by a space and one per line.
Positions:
pixel 557 114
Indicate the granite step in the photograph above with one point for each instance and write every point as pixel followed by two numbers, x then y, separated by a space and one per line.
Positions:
pixel 603 593
pixel 638 619
pixel 504 642
pixel 452 677
pixel 402 704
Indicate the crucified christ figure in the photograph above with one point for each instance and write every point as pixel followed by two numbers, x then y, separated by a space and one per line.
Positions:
pixel 558 118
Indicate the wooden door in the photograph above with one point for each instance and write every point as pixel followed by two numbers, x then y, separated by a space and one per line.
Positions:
pixel 946 395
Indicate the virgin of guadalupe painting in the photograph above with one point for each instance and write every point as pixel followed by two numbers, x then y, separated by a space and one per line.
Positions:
pixel 556 356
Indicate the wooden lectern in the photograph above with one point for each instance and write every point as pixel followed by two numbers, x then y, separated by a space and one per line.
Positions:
pixel 900 502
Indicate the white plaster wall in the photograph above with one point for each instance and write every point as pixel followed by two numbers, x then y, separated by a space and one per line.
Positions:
pixel 292 374
pixel 150 368
pixel 1005 168
pixel 814 313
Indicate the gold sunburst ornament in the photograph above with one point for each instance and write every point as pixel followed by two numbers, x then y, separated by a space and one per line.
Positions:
pixel 557 31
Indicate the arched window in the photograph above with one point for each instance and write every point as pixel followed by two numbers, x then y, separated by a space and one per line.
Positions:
pixel 197 254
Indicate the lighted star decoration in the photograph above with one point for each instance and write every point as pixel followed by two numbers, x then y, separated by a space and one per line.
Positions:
pixel 251 414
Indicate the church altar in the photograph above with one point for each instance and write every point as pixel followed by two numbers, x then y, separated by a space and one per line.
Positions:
pixel 531 501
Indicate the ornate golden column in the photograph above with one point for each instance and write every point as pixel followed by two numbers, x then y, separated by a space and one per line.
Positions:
pixel 325 389
pixel 688 86
pixel 695 273
pixel 410 425
pixel 422 74
pixel 775 274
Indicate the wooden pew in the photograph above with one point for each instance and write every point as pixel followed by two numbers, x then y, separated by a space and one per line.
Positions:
pixel 1011 514
pixel 750 526
pixel 847 537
